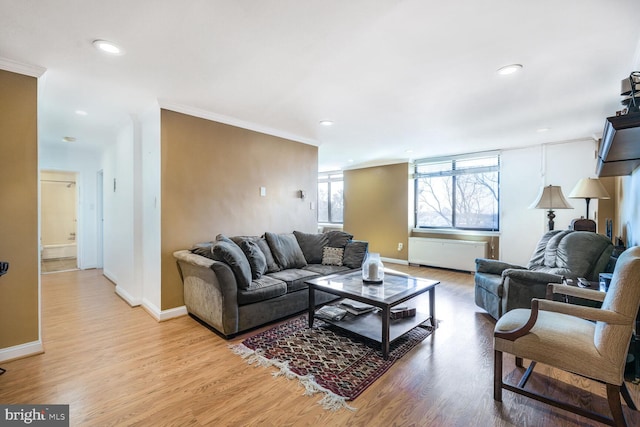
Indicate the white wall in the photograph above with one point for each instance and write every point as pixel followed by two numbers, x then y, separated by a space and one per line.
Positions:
pixel 523 172
pixel 150 133
pixel 120 258
pixel 86 163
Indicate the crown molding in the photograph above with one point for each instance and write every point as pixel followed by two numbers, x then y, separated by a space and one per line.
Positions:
pixel 208 115
pixel 21 68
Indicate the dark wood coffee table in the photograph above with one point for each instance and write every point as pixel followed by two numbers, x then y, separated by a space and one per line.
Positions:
pixel 395 290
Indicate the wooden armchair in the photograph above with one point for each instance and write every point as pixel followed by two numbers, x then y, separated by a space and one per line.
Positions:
pixel 590 342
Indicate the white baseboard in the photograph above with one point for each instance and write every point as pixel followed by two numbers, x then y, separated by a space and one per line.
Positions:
pixel 162 315
pixel 122 293
pixel 395 261
pixel 22 350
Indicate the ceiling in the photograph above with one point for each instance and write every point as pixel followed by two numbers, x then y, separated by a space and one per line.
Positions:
pixel 400 79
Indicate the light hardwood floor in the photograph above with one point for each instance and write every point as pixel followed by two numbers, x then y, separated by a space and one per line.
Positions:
pixel 117 366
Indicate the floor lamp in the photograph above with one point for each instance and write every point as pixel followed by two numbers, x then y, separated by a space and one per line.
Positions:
pixel 589 188
pixel 550 197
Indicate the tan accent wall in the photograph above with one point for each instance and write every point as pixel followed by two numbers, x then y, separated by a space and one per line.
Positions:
pixel 18 209
pixel 376 208
pixel 211 179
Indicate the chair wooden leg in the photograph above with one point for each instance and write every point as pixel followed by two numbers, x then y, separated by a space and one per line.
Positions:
pixel 497 376
pixel 627 397
pixel 613 396
pixel 519 363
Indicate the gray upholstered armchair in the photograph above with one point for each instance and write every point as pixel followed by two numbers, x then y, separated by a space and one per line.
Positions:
pixel 501 287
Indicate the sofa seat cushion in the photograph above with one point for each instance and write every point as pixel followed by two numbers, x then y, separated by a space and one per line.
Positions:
pixel 262 289
pixel 325 270
pixel 294 278
pixel 491 283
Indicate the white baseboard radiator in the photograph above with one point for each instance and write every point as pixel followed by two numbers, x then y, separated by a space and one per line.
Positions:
pixel 446 253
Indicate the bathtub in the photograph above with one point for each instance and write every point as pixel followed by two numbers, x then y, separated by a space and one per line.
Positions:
pixel 65 250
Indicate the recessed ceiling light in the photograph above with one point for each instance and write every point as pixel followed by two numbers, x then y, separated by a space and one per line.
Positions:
pixel 326 122
pixel 409 151
pixel 81 112
pixel 509 69
pixel 69 139
pixel 108 47
pixel 350 160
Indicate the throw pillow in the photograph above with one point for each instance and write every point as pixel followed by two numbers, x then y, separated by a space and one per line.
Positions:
pixel 272 265
pixel 332 256
pixel 256 258
pixel 338 239
pixel 232 255
pixel 312 245
pixel 286 250
pixel 203 249
pixel 354 253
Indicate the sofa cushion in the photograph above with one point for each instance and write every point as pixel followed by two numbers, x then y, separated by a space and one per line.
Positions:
pixel 338 239
pixel 223 238
pixel 272 265
pixel 232 255
pixel 312 245
pixel 286 250
pixel 262 289
pixel 325 270
pixel 256 258
pixel 354 253
pixel 332 256
pixel 203 249
pixel 294 278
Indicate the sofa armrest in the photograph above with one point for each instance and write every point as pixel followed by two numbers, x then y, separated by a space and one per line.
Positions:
pixel 210 291
pixel 493 266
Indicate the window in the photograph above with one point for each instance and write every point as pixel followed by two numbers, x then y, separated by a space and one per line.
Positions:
pixel 458 192
pixel 330 197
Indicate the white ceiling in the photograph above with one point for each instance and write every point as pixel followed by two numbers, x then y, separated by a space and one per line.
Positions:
pixel 394 75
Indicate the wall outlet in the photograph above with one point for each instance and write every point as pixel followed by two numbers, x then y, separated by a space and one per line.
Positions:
pixel 400 246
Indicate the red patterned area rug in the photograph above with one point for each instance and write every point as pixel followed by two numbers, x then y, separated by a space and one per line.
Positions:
pixel 325 359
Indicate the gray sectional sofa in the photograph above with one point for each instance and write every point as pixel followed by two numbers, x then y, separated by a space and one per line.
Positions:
pixel 239 283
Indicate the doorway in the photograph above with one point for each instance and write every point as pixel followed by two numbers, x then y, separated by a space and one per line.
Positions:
pixel 58 221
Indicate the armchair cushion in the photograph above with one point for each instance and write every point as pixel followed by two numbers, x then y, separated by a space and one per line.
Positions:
pixel 493 266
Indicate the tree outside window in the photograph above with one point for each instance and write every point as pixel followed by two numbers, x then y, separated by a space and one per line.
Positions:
pixel 330 198
pixel 458 193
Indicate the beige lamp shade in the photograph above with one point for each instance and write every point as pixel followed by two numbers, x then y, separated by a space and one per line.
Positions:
pixel 550 197
pixel 589 188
